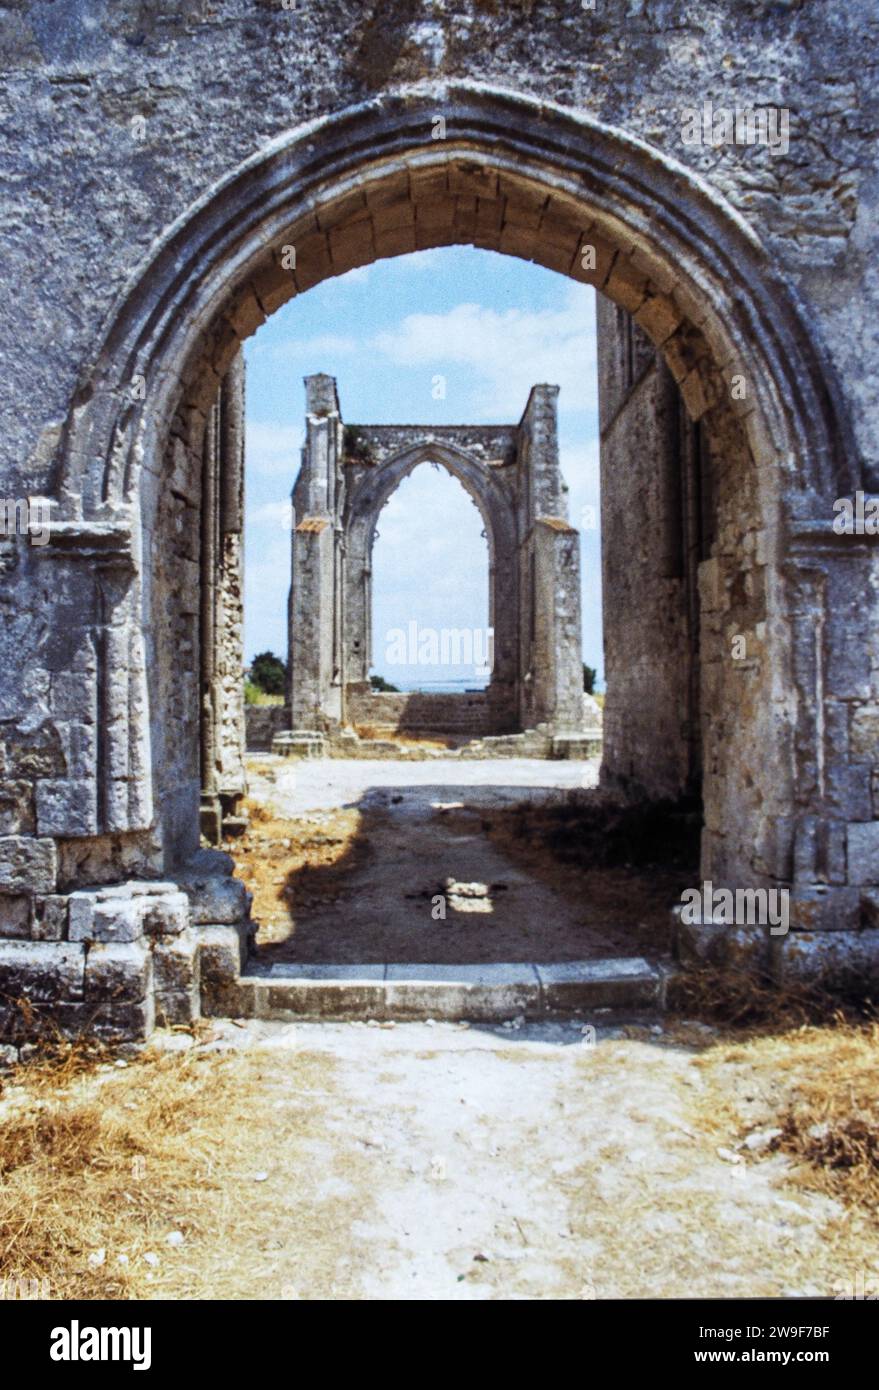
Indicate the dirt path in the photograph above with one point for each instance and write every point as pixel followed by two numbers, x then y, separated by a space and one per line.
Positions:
pixel 358 863
pixel 342 1161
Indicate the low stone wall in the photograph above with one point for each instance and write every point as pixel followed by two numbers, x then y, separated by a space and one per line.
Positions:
pixel 262 722
pixel 115 960
pixel 417 712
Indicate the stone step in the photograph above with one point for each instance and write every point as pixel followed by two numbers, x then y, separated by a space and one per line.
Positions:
pixel 479 993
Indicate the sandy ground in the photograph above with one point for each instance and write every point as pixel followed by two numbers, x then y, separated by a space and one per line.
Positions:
pixel 291 787
pixel 497 1163
pixel 346 861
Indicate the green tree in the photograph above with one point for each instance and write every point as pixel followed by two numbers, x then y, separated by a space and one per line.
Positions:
pixel 379 683
pixel 269 673
pixel 589 674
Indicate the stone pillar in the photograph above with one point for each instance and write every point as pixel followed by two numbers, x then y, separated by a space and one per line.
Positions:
pixel 316 610
pixel 550 637
pixel 655 505
pixel 222 611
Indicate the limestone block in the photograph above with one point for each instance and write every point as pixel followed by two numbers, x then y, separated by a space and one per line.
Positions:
pixel 215 898
pixel 211 861
pixel 626 285
pixel 175 963
pixel 834 959
pixel 863 852
pixel 123 1021
pixel 220 960
pixel 16 808
pixel 27 865
pixel 67 806
pixel 105 916
pixel 720 944
pixel 176 1006
pixel 865 732
pixel 820 907
pixel 659 316
pixel 166 914
pixel 42 971
pixel 50 918
pixel 15 915
pixel 119 972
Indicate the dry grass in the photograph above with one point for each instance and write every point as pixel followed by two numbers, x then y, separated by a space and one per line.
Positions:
pixel 274 855
pixel 744 1000
pixel 819 1085
pixel 816 1059
pixel 99 1162
pixel 404 740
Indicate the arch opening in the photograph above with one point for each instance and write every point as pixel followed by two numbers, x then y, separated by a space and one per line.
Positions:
pixel 430 562
pixel 549 186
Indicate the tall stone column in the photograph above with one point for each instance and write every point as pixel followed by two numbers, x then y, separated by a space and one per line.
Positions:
pixel 551 676
pixel 316 609
pixel 222 606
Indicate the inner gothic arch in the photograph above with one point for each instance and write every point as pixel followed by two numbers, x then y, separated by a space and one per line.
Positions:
pixel 513 475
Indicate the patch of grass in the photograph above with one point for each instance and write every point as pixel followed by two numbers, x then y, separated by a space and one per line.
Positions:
pixel 818 1084
pixel 98 1166
pixel 255 695
pixel 746 1000
pixel 829 1115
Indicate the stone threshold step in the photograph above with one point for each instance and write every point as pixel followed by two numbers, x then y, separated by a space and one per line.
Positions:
pixel 480 993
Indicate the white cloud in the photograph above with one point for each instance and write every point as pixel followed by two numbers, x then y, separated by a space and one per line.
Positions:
pixel 358 276
pixel 506 351
pixel 310 350
pixel 580 470
pixel 277 514
pixel 273 450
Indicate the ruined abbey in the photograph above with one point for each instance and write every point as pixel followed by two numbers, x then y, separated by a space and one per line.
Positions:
pixel 162 161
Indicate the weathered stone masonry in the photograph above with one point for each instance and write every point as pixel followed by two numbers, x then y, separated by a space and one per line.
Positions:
pixel 512 473
pixel 159 158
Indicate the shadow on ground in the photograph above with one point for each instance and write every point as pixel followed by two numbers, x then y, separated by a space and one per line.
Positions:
pixel 452 874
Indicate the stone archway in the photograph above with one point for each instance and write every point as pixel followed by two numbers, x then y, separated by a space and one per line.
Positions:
pixel 512 473
pixel 784 789
pixel 513 176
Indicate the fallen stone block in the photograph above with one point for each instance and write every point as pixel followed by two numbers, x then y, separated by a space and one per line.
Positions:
pixel 720 944
pixel 835 960
pixel 215 899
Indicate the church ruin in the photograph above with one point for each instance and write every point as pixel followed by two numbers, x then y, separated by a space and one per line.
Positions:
pixel 154 220
pixel 513 475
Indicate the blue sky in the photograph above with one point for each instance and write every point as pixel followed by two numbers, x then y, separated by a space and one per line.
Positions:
pixel 492 326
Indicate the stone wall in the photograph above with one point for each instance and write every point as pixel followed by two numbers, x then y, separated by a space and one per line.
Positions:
pixel 464 715
pixel 652 543
pixel 262 722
